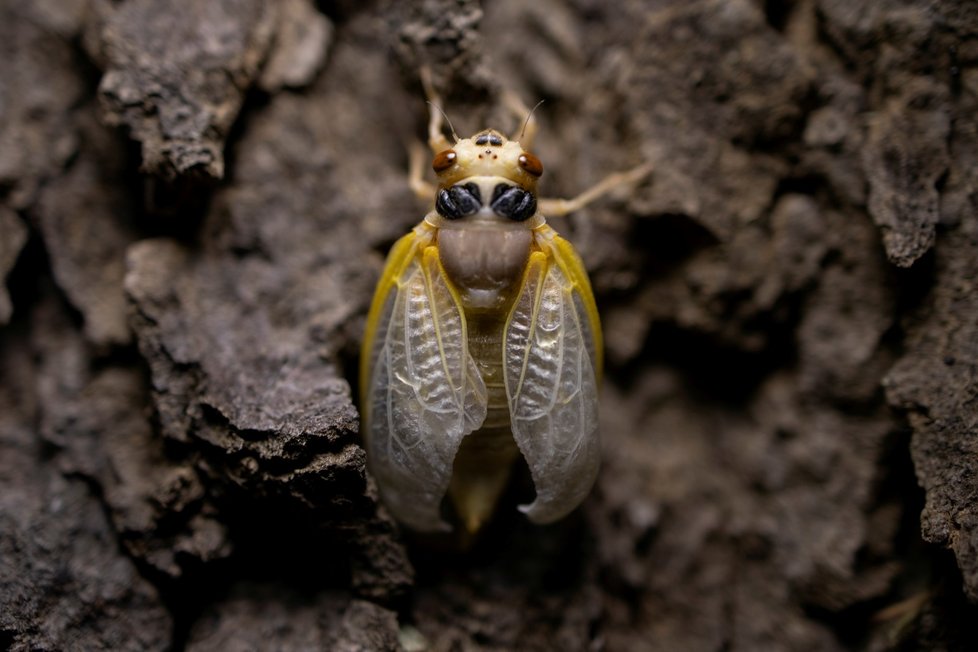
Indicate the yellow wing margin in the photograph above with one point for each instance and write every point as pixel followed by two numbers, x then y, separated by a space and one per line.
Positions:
pixel 552 348
pixel 572 266
pixel 400 256
pixel 421 391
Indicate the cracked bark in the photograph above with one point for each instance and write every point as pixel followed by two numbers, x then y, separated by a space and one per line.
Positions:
pixel 194 206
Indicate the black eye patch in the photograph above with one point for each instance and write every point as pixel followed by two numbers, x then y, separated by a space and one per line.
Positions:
pixel 458 201
pixel 513 202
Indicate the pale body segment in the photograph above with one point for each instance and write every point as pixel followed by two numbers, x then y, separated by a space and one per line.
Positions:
pixel 483 343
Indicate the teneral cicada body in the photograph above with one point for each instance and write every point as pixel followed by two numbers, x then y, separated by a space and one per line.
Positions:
pixel 482 344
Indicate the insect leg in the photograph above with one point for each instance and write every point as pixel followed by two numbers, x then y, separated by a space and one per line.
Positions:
pixel 558 207
pixel 421 188
pixel 436 138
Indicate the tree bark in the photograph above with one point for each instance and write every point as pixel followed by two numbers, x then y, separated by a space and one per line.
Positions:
pixel 195 202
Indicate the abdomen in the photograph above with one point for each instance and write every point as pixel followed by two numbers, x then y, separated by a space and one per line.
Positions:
pixel 486 457
pixel 485 265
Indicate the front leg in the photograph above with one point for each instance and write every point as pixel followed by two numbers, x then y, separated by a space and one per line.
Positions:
pixel 559 207
pixel 436 137
pixel 422 189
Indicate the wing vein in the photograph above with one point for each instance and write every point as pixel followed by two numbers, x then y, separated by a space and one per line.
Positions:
pixel 438 327
pixel 530 334
pixel 552 379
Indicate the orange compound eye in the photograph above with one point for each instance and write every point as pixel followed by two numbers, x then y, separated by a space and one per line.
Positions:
pixel 531 164
pixel 444 160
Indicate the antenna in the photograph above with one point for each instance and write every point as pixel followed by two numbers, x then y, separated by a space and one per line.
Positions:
pixel 528 116
pixel 447 119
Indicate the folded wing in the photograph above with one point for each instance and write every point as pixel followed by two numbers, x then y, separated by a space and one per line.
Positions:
pixel 551 357
pixel 423 392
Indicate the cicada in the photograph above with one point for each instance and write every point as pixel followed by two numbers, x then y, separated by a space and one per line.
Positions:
pixel 483 343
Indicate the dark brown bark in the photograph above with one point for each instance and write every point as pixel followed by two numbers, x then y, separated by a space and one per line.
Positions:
pixel 195 201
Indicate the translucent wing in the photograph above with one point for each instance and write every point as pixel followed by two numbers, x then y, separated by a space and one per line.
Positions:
pixel 422 392
pixel 552 354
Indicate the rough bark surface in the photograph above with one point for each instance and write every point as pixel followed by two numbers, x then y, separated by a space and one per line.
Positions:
pixel 195 202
